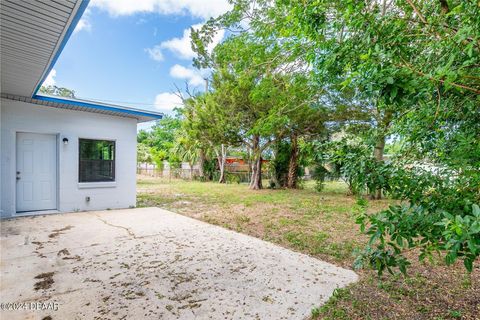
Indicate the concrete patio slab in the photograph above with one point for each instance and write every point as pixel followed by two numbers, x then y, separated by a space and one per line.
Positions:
pixel 150 263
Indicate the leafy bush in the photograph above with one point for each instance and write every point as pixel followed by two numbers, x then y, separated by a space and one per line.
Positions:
pixel 209 166
pixel 439 211
pixel 232 178
pixel 278 165
pixel 352 162
pixel 440 214
pixel 319 174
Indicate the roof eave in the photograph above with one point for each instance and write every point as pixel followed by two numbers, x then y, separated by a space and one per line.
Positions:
pixel 87 106
pixel 140 115
pixel 66 36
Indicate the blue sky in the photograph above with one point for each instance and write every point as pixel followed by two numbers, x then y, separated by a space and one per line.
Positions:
pixel 133 52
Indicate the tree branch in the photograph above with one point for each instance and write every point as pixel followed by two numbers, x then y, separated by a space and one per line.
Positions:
pixel 406 65
pixel 410 2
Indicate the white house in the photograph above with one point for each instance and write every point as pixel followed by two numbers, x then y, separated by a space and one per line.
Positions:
pixel 57 154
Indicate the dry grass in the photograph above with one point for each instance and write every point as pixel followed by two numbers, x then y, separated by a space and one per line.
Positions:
pixel 323 225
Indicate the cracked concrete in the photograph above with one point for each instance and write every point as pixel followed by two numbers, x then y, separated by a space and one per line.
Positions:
pixel 130 233
pixel 154 264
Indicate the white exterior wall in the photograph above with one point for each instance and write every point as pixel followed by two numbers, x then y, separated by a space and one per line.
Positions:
pixel 17 116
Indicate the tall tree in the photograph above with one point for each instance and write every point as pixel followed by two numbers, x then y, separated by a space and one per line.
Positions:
pixel 187 150
pixel 208 123
pixel 246 83
pixel 415 65
pixel 306 119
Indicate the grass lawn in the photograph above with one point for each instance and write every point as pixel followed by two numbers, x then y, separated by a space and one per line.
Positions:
pixel 323 225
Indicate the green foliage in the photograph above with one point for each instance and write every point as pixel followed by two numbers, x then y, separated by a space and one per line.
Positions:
pixel 254 101
pixel 158 156
pixel 439 212
pixel 278 165
pixel 162 134
pixel 441 215
pixel 462 236
pixel 159 141
pixel 209 169
pixel 374 69
pixel 142 136
pixel 319 175
pixel 186 149
pixel 143 153
pixel 417 64
pixel 232 178
pixel 352 161
pixel 57 91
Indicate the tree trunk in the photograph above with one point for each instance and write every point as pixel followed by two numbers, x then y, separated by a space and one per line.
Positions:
pixel 383 125
pixel 378 154
pixel 384 7
pixel 293 163
pixel 221 163
pixel 256 181
pixel 201 164
pixel 275 178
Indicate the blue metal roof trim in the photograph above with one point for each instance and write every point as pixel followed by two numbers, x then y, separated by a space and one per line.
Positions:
pixel 69 32
pixel 91 105
pixel 80 103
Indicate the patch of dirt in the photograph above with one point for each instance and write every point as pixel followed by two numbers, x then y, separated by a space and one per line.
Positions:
pixel 56 232
pixel 46 281
pixel 430 291
pixel 64 252
pixel 75 257
pixel 38 244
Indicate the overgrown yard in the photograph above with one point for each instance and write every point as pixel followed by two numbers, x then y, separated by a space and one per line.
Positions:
pixel 323 225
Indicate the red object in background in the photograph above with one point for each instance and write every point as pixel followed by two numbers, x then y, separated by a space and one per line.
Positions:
pixel 232 160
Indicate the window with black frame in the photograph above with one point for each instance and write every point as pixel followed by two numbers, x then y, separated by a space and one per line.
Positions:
pixel 96 160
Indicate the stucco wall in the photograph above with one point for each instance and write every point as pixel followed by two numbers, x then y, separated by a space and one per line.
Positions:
pixel 19 116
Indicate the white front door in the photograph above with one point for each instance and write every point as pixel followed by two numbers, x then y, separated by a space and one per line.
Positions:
pixel 36 172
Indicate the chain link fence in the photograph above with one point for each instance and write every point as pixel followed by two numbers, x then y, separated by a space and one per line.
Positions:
pixel 231 176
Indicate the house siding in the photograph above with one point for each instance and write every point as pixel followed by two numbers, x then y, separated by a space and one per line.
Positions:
pixel 18 116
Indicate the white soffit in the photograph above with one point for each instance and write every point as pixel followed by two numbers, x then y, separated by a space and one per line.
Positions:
pixel 32 34
pixel 87 106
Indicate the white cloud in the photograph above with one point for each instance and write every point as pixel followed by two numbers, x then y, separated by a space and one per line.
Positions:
pixel 193 76
pixel 182 47
pixel 84 22
pixel 196 8
pixel 167 101
pixel 50 80
pixel 155 53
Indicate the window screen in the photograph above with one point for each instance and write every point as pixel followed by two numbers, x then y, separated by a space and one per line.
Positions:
pixel 96 160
